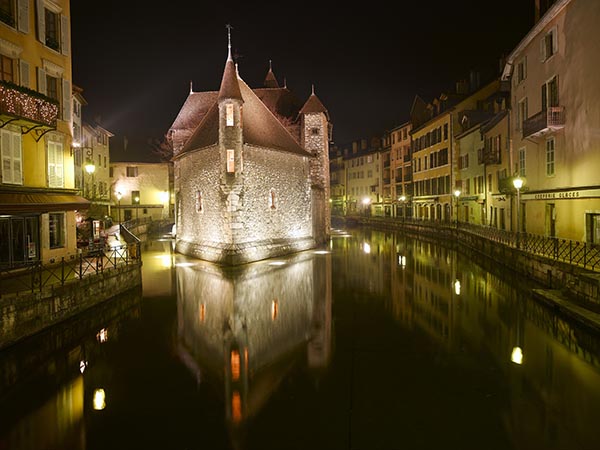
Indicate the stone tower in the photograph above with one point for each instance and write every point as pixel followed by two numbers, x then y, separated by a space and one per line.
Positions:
pixel 315 132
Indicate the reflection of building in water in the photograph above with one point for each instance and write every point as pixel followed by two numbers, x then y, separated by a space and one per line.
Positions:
pixel 157 273
pixel 247 326
pixel 47 382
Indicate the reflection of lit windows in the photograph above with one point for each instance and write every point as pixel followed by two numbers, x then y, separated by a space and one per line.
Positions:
pixel 229 114
pixel 102 335
pixel 366 247
pixel 274 309
pixel 236 406
pixel 235 365
pixel 230 161
pixel 517 355
pixel 202 313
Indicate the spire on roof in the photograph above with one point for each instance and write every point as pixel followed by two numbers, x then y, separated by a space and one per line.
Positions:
pixel 270 80
pixel 313 105
pixel 191 87
pixel 229 84
pixel 229 27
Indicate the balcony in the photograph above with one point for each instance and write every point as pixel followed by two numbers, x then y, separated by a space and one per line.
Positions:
pixel 489 155
pixel 27 108
pixel 547 120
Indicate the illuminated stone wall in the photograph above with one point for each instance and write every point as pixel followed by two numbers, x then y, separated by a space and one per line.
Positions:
pixel 239 222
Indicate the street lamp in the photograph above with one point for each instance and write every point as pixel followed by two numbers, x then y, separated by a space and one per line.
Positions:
pixel 518 184
pixel 456 195
pixel 366 202
pixel 403 200
pixel 90 168
pixel 119 196
pixel 137 207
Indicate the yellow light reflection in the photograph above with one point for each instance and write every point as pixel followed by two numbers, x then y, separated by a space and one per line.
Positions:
pixel 457 287
pixel 517 355
pixel 165 260
pixel 402 261
pixel 99 399
pixel 274 309
pixel 321 252
pixel 366 247
pixel 277 263
pixel 82 366
pixel 202 313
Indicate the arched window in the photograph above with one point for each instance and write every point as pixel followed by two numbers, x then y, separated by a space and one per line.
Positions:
pixel 229 115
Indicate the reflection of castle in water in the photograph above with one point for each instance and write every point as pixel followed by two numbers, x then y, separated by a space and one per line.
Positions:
pixel 248 326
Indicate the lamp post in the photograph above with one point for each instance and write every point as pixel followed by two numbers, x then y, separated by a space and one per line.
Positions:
pixel 518 184
pixel 137 207
pixel 366 201
pixel 119 196
pixel 403 200
pixel 456 195
pixel 90 168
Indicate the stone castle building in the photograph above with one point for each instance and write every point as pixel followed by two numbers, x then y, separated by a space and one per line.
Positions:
pixel 251 171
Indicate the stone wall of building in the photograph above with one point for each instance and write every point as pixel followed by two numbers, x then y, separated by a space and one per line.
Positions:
pixel 265 212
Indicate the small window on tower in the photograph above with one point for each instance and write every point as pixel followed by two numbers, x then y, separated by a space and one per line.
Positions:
pixel 199 202
pixel 272 204
pixel 230 161
pixel 315 131
pixel 229 114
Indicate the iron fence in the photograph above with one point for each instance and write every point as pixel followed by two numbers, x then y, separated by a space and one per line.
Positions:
pixel 36 276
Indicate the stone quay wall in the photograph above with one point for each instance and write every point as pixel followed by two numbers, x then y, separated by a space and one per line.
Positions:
pixel 24 315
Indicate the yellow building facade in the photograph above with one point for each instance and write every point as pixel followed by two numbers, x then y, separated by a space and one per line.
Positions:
pixel 38 200
pixel 556 144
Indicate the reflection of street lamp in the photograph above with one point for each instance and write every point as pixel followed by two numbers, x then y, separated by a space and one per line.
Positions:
pixel 518 184
pixel 119 196
pixel 457 194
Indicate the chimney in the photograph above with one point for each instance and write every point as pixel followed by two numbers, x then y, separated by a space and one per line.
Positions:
pixel 462 87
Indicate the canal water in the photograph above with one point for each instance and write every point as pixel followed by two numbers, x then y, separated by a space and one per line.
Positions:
pixel 378 341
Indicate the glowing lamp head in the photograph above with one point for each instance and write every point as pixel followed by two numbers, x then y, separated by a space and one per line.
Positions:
pixel 457 193
pixel 366 201
pixel 518 182
pixel 90 168
pixel 403 198
pixel 119 196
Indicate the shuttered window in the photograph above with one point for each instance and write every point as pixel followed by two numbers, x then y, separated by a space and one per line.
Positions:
pixel 10 149
pixel 55 164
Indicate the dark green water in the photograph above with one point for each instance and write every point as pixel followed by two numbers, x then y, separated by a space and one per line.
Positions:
pixel 381 342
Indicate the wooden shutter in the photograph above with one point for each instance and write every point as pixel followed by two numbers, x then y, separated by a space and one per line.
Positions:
pixel 41 21
pixel 65 42
pixel 41 79
pixel 16 159
pixel 24 73
pixel 23 24
pixel 5 144
pixel 66 100
pixel 51 165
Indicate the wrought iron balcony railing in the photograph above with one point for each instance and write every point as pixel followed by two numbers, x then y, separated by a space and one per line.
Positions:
pixel 552 118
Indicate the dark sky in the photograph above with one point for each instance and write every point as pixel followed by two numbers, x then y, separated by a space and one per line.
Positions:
pixel 135 59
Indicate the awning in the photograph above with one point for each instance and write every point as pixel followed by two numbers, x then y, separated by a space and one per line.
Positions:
pixel 19 202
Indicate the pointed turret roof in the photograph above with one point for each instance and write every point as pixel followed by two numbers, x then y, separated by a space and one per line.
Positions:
pixel 270 80
pixel 313 105
pixel 229 83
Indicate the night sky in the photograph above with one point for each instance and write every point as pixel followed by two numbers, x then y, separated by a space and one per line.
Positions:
pixel 135 60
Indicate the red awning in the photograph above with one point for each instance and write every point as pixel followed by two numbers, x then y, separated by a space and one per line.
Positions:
pixel 40 202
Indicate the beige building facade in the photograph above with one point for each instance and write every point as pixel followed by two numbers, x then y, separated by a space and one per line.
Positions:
pixel 555 98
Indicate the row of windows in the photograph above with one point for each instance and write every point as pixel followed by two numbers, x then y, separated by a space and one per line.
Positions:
pixel 433 186
pixel 431 161
pixel 432 137
pixel 363 160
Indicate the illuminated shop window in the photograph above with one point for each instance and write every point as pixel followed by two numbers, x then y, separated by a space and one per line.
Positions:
pixel 230 161
pixel 229 114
